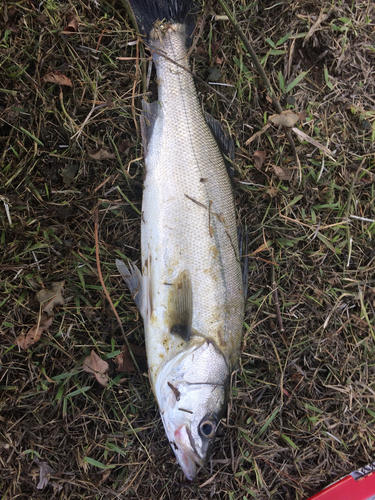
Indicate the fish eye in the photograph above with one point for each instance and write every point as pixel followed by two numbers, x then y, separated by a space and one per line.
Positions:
pixel 207 427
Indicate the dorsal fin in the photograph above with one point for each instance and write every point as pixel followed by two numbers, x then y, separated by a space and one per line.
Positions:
pixel 180 306
pixel 224 142
pixel 243 237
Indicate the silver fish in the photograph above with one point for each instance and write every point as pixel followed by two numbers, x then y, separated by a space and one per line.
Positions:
pixel 190 291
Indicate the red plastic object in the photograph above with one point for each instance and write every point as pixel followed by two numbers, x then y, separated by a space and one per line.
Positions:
pixel 359 485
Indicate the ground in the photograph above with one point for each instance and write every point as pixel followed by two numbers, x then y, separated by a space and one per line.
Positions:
pixel 302 407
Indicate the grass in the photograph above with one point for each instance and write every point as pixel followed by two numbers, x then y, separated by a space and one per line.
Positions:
pixel 302 405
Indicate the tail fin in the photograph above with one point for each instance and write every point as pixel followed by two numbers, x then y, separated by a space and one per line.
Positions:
pixel 147 12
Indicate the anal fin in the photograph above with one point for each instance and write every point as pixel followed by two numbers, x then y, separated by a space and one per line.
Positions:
pixel 133 278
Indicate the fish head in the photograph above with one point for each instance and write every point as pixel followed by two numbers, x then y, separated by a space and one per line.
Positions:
pixel 192 394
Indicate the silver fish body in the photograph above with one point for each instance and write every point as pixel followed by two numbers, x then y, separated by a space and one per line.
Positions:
pixel 190 291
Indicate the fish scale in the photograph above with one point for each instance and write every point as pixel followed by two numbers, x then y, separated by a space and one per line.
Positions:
pixel 185 170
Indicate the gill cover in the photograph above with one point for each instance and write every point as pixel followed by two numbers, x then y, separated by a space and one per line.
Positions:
pixel 191 392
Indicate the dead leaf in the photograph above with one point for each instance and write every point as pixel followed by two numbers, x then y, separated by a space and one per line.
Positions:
pixel 285 119
pixel 48 298
pixel 101 154
pixel 42 19
pixel 51 297
pixel 45 470
pixel 259 157
pixel 124 360
pixel 24 341
pixel 303 116
pixel 13 28
pixel 284 174
pixel 124 146
pixel 100 477
pixel 272 191
pixel 68 173
pixel 96 365
pixel 72 27
pixel 57 77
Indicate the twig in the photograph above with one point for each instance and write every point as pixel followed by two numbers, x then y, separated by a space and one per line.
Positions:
pixel 347 208
pixel 79 132
pixel 99 41
pixel 253 55
pixel 134 88
pixel 96 221
pixel 276 300
pixel 201 27
pixel 322 17
pixel 263 75
pixel 283 473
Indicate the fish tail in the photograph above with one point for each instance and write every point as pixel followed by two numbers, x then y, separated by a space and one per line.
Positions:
pixel 148 12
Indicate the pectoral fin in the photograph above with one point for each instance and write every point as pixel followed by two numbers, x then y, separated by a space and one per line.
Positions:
pixel 180 306
pixel 133 279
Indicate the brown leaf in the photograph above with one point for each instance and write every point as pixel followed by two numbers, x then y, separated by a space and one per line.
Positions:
pixel 51 297
pixel 94 364
pixel 285 119
pixel 284 174
pixel 259 157
pixel 101 154
pixel 302 116
pixel 42 19
pixel 13 28
pixel 124 360
pixel 57 77
pixel 72 27
pixel 45 470
pixel 124 146
pixel 296 376
pixel 100 477
pixel 24 341
pixel 271 191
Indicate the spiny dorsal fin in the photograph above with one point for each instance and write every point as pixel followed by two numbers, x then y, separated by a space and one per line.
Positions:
pixel 180 306
pixel 224 142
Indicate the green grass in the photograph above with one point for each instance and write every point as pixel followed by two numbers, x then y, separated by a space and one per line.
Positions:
pixel 301 406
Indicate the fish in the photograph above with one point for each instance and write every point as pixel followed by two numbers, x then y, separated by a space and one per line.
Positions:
pixel 189 287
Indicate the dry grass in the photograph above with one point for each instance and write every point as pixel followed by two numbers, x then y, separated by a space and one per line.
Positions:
pixel 302 409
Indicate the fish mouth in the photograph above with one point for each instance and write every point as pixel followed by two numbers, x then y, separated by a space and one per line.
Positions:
pixel 186 453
